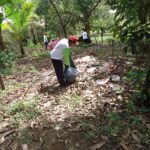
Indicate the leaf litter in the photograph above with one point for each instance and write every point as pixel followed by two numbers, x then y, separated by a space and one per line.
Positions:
pixel 75 117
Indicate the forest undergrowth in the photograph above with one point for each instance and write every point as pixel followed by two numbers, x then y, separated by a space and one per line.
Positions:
pixel 95 112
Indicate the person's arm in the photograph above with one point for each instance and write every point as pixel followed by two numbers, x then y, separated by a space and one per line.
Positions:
pixel 67 56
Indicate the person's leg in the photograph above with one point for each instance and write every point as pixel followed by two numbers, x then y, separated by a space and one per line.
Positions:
pixel 58 66
pixel 46 45
pixel 86 41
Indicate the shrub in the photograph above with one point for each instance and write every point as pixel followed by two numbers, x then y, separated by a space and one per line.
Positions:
pixel 31 44
pixel 6 59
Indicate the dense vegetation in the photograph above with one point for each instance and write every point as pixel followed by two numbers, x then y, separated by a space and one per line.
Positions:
pixel 120 34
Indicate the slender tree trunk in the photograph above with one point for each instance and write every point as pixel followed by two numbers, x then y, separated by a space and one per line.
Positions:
pixel 33 36
pixel 64 30
pixel 39 39
pixel 146 90
pixel 2 46
pixel 102 34
pixel 87 28
pixel 87 15
pixel 60 19
pixel 2 83
pixel 22 50
pixel 102 38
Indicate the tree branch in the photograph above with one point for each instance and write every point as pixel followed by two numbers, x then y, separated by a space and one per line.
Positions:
pixel 60 19
pixel 92 9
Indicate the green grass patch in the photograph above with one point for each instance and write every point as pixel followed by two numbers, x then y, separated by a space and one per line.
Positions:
pixel 7 71
pixel 11 87
pixel 23 110
pixel 25 135
pixel 25 68
pixel 74 100
pixel 88 135
pixel 40 54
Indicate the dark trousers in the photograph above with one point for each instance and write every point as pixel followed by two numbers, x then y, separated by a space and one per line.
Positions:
pixel 85 41
pixel 58 66
pixel 46 45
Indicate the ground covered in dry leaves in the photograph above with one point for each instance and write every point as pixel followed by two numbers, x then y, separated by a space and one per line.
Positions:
pixel 94 113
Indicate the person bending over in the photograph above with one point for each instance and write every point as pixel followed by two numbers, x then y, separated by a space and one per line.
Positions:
pixel 61 55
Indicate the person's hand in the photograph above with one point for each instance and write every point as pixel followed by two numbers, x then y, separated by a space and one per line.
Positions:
pixel 66 66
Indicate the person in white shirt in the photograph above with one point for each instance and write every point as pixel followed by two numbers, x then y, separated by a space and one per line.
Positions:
pixel 45 40
pixel 60 55
pixel 85 36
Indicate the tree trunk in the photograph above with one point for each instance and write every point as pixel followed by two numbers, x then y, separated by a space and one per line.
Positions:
pixel 2 46
pixel 87 15
pixel 102 38
pixel 2 83
pixel 39 39
pixel 113 47
pixel 33 36
pixel 64 30
pixel 22 50
pixel 60 19
pixel 87 28
pixel 102 35
pixel 146 90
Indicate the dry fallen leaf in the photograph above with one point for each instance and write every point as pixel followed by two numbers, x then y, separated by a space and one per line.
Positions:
pixel 14 147
pixel 3 124
pixel 124 146
pixel 2 139
pixel 135 138
pixel 25 147
pixel 127 135
pixel 148 126
pixel 96 146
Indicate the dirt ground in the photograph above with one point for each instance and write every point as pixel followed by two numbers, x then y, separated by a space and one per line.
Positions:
pixel 90 114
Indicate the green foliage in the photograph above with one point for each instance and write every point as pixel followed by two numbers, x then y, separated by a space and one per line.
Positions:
pixel 115 123
pixel 144 136
pixel 70 147
pixel 111 130
pixel 134 120
pixel 131 22
pixel 40 54
pixel 136 77
pixel 88 135
pixel 102 19
pixel 113 117
pixel 33 69
pixel 5 2
pixel 76 99
pixel 23 110
pixel 83 45
pixel 25 135
pixel 21 13
pixel 60 20
pixel 131 106
pixel 7 71
pixel 16 107
pixel 31 44
pixel 144 110
pixel 108 130
pixel 85 126
pixel 6 59
pixel 74 15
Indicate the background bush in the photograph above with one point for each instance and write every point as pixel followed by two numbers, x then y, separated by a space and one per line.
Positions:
pixel 6 59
